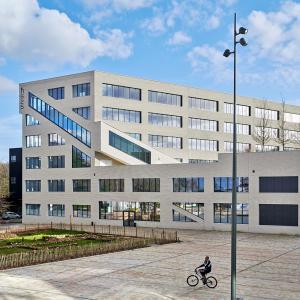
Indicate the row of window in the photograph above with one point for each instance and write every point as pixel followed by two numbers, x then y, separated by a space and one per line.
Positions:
pixel 164 120
pixel 79 90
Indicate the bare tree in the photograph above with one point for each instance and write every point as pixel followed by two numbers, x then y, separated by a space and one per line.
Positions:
pixel 4 188
pixel 262 133
pixel 284 137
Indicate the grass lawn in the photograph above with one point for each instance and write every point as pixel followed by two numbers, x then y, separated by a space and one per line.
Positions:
pixel 24 242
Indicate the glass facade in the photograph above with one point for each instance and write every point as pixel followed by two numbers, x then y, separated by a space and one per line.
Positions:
pixel 84 112
pixel 164 120
pixel 80 159
pixel 56 185
pixel 111 185
pixel 266 113
pixel 240 128
pixel 240 147
pixel 81 90
pixel 241 110
pixel 224 184
pixel 203 104
pixel 266 148
pixel 202 124
pixel 33 209
pixel 164 98
pixel 267 132
pixel 31 121
pixel 60 120
pixel 56 210
pixel 121 115
pixel 161 141
pixel 197 209
pixel 118 91
pixel 134 135
pixel 292 135
pixel 142 211
pixel 57 93
pixel 33 141
pixel 81 211
pixel 203 145
pixel 33 185
pixel 293 118
pixel 81 185
pixel 129 147
pixel 223 214
pixel 56 162
pixel 55 140
pixel 189 184
pixel 146 185
pixel 33 162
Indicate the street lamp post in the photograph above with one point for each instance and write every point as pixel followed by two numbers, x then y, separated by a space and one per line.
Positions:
pixel 227 53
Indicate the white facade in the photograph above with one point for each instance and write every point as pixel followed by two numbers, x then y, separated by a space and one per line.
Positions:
pixel 104 143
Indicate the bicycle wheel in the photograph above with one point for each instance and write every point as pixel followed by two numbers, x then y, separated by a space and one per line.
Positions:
pixel 211 282
pixel 192 280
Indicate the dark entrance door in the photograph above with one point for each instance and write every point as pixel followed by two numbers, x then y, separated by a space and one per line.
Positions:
pixel 128 218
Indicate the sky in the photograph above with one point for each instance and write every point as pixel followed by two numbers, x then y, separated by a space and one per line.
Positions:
pixel 178 41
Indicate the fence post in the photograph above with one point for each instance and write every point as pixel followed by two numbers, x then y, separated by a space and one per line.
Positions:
pixel 94 228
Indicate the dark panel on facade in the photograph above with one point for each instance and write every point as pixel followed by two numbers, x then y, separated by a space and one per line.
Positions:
pixel 15 179
pixel 278 214
pixel 278 184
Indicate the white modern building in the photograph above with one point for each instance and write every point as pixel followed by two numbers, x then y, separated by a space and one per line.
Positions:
pixel 118 150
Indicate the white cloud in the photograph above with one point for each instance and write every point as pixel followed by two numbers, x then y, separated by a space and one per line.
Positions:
pixel 179 38
pixel 46 38
pixel 120 5
pixel 156 25
pixel 7 85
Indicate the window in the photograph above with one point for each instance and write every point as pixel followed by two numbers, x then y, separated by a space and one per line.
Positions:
pixel 56 162
pixel 203 104
pixel 81 90
pixel 278 184
pixel 33 141
pixel 121 115
pixel 60 120
pixel 292 135
pixel 55 140
pixel 196 209
pixel 118 91
pixel 267 132
pixel 111 185
pixel 31 121
pixel 129 148
pixel 266 148
pixel 203 145
pixel 80 159
pixel 83 111
pixel 13 180
pixel 202 124
pixel 164 98
pixel 57 93
pixel 293 118
pixel 81 211
pixel 266 113
pixel 190 184
pixel 33 162
pixel 56 210
pixel 240 128
pixel 278 214
pixel 224 184
pixel 81 185
pixel 13 158
pixel 33 209
pixel 56 185
pixel 241 110
pixel 222 213
pixel 134 135
pixel 240 147
pixel 164 120
pixel 141 211
pixel 33 185
pixel 146 185
pixel 201 161
pixel 161 141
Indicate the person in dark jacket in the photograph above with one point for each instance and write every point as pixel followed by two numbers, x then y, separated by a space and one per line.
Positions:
pixel 205 268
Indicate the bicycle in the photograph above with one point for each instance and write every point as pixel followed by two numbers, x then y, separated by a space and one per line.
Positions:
pixel 193 280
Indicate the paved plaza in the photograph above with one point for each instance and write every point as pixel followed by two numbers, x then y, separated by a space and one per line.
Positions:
pixel 268 268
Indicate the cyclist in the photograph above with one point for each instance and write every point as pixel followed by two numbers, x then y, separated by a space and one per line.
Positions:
pixel 205 268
